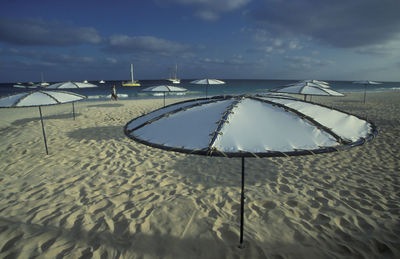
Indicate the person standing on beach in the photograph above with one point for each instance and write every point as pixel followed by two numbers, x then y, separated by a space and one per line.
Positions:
pixel 114 93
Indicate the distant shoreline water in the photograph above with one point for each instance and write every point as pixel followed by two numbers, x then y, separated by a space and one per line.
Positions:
pixel 232 87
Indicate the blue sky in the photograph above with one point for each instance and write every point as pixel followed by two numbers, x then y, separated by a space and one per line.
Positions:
pixel 243 39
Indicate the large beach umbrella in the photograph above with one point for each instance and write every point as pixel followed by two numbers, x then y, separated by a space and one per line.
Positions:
pixel 249 126
pixel 322 84
pixel 366 83
pixel 308 88
pixel 39 99
pixel 70 85
pixel 207 82
pixel 164 89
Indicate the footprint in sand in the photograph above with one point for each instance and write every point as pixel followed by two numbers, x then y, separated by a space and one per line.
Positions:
pixel 269 205
pixel 46 245
pixel 10 243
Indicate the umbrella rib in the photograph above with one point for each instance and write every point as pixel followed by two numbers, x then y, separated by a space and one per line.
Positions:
pixel 302 88
pixel 20 99
pixel 52 97
pixel 308 118
pixel 221 123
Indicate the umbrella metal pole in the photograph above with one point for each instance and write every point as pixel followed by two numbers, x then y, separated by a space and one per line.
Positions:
pixel 242 208
pixel 44 133
pixel 73 109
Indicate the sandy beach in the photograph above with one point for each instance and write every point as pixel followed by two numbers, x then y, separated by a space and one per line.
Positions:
pixel 98 194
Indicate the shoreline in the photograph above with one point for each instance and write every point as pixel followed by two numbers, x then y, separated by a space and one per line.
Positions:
pixel 100 194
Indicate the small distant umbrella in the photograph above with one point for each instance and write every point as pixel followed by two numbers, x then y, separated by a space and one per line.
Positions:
pixel 70 85
pixel 39 98
pixel 249 126
pixel 308 88
pixel 365 83
pixel 26 86
pixel 164 89
pixel 207 82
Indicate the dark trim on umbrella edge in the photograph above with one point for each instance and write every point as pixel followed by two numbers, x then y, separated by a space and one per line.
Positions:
pixel 217 153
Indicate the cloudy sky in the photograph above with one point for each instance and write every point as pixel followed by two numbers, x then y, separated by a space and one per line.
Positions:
pixel 243 39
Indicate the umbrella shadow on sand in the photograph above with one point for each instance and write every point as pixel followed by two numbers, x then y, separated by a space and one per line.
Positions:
pixel 106 105
pixel 50 117
pixel 98 133
pixel 224 172
pixel 118 243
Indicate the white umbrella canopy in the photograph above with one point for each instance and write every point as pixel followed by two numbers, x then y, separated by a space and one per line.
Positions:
pixel 308 88
pixel 40 98
pixel 365 83
pixel 207 82
pixel 70 85
pixel 26 86
pixel 322 84
pixel 249 126
pixel 164 89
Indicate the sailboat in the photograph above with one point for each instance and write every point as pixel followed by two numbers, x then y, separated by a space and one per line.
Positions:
pixel 173 79
pixel 43 83
pixel 132 82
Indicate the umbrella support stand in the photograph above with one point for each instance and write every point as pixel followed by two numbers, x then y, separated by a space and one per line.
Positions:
pixel 241 245
pixel 365 93
pixel 44 133
pixel 73 109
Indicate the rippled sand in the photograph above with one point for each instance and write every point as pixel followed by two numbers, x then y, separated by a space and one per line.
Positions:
pixel 101 195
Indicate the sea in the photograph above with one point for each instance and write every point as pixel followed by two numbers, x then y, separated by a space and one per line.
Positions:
pixel 231 87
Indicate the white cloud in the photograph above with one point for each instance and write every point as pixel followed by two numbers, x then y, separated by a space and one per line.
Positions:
pixel 36 32
pixel 210 10
pixel 390 48
pixel 343 24
pixel 207 15
pixel 146 44
pixel 306 63
pixel 269 44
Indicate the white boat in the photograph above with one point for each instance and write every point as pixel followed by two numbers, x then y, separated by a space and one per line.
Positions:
pixel 43 83
pixel 173 78
pixel 102 82
pixel 132 82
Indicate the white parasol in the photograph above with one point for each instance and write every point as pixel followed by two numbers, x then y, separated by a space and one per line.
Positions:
pixel 70 85
pixel 249 126
pixel 164 89
pixel 322 84
pixel 207 82
pixel 365 83
pixel 308 87
pixel 40 98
